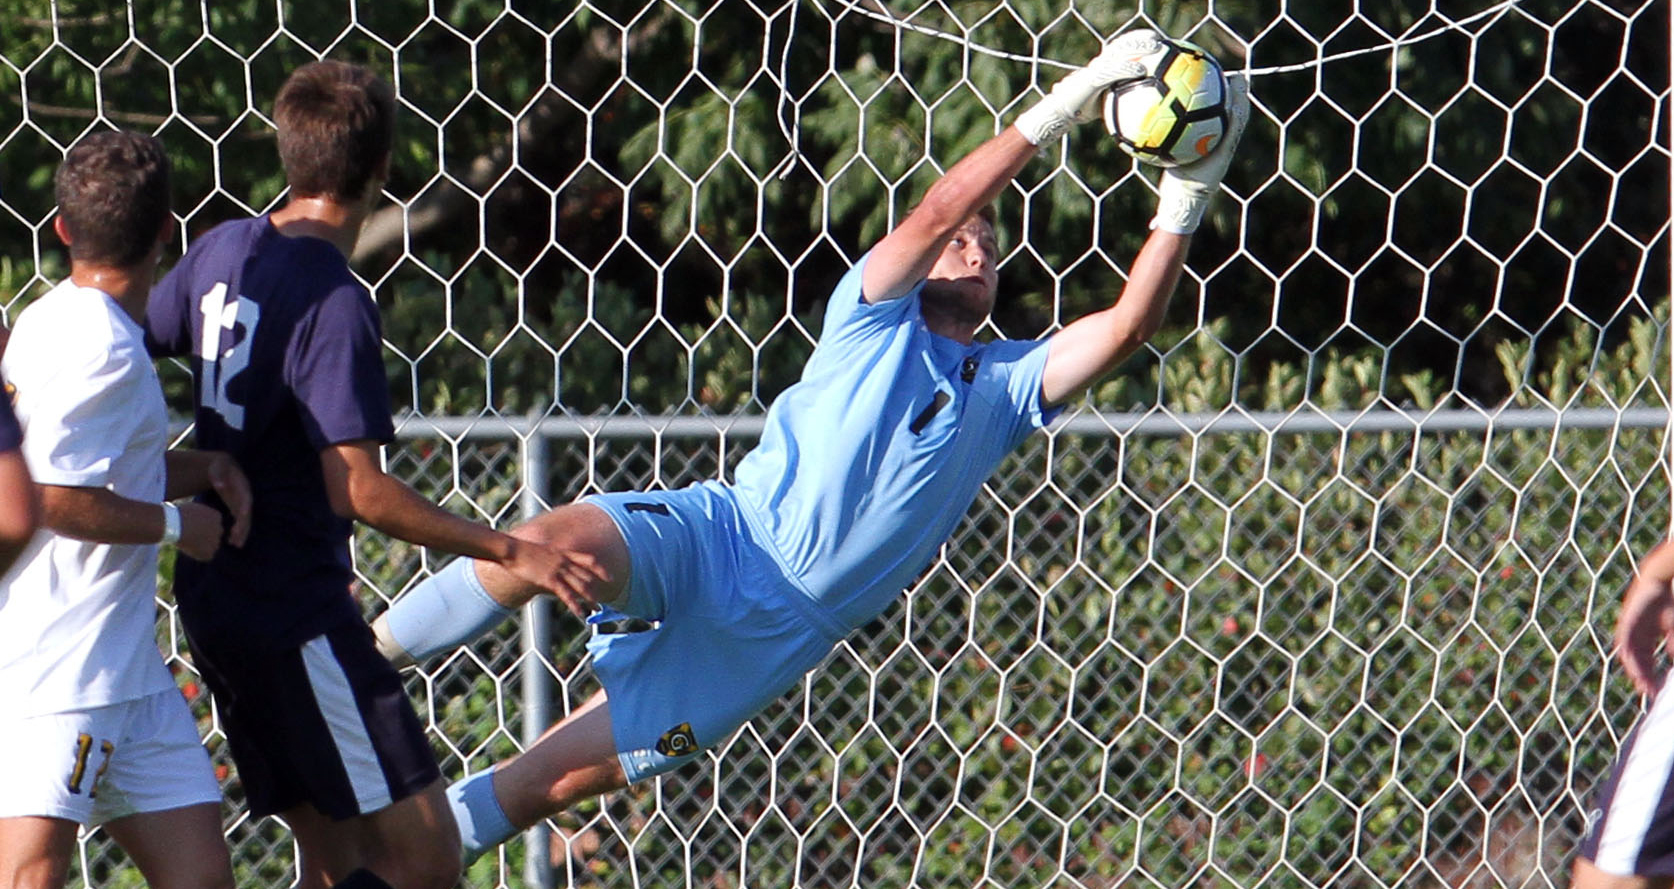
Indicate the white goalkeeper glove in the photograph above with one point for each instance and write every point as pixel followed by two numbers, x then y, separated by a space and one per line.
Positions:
pixel 1075 99
pixel 1185 191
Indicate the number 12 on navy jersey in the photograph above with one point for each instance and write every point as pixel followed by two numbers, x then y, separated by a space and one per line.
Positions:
pixel 221 365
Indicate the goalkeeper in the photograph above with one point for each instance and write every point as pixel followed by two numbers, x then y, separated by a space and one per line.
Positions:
pixel 719 597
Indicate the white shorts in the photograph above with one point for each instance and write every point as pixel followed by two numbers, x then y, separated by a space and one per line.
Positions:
pixel 96 765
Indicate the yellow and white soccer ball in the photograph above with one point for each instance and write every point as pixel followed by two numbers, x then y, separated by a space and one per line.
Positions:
pixel 1176 112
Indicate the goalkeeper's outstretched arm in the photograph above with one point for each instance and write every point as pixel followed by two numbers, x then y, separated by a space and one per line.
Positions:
pixel 1094 345
pixel 907 254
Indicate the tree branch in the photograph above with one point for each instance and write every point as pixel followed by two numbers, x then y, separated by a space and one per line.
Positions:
pixel 126 118
pixel 71 21
pixel 388 228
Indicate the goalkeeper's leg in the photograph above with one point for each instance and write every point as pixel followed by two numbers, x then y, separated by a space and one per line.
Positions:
pixel 470 597
pixel 574 761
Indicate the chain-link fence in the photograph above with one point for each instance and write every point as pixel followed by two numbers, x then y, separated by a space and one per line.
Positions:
pixel 1346 649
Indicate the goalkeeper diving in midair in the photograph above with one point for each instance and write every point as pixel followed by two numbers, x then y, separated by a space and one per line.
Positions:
pixel 721 596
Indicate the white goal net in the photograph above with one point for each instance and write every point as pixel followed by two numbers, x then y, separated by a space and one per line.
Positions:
pixel 1315 591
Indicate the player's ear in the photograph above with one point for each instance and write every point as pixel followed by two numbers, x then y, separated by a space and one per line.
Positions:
pixel 165 233
pixel 373 190
pixel 61 228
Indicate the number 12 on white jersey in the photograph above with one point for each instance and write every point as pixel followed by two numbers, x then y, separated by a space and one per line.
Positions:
pixel 221 365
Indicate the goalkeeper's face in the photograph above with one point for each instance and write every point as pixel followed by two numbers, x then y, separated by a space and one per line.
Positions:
pixel 965 277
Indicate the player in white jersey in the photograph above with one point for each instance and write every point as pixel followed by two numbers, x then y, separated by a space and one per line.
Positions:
pixel 92 727
pixel 721 596
pixel 1629 839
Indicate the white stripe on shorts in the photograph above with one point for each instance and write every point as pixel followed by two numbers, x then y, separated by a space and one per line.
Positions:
pixel 1643 782
pixel 348 729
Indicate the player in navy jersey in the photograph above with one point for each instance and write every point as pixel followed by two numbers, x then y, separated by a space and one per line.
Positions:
pixel 719 597
pixel 285 350
pixel 18 512
pixel 1629 837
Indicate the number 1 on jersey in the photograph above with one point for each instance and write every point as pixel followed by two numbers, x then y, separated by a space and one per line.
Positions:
pixel 84 746
pixel 221 365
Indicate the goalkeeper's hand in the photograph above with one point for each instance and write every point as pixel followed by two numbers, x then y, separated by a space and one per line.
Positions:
pixel 1185 190
pixel 1075 99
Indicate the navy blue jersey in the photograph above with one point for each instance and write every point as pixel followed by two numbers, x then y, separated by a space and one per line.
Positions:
pixel 285 348
pixel 11 435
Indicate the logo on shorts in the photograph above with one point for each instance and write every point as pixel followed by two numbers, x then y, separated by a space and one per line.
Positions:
pixel 1594 816
pixel 678 741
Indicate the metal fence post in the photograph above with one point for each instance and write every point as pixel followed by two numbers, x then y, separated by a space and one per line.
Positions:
pixel 537 645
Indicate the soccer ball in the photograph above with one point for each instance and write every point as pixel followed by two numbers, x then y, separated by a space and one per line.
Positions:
pixel 1174 114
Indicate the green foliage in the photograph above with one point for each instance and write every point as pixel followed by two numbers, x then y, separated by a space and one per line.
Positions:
pixel 1321 649
pixel 642 207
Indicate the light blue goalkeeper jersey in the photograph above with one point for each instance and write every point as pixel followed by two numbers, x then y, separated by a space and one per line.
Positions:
pixel 870 460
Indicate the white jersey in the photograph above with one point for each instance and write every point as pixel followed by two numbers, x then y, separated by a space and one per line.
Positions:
pixel 77 619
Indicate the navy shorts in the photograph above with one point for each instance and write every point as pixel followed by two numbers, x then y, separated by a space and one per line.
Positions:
pixel 1630 829
pixel 325 723
pixel 711 630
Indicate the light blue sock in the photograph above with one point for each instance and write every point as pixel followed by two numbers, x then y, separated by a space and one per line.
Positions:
pixel 447 610
pixel 482 823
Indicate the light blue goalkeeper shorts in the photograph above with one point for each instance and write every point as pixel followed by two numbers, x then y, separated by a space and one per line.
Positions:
pixel 710 633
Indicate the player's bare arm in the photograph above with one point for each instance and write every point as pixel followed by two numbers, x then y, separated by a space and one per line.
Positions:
pixel 99 515
pixel 905 256
pixel 1095 344
pixel 360 489
pixel 19 509
pixel 1647 619
pixel 191 473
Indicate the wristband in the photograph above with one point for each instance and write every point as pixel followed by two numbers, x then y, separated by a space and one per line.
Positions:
pixel 171 523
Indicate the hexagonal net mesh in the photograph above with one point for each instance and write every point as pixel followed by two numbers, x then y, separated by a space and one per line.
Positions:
pixel 1313 591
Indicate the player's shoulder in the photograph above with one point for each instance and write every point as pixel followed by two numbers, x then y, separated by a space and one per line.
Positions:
pixel 218 255
pixel 227 238
pixel 73 326
pixel 282 273
pixel 68 316
pixel 254 242
pixel 848 305
pixel 311 269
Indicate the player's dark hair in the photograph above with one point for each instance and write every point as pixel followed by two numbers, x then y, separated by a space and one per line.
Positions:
pixel 113 195
pixel 336 124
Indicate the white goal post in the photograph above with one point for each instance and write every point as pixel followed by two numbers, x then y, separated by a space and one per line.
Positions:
pixel 1315 591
